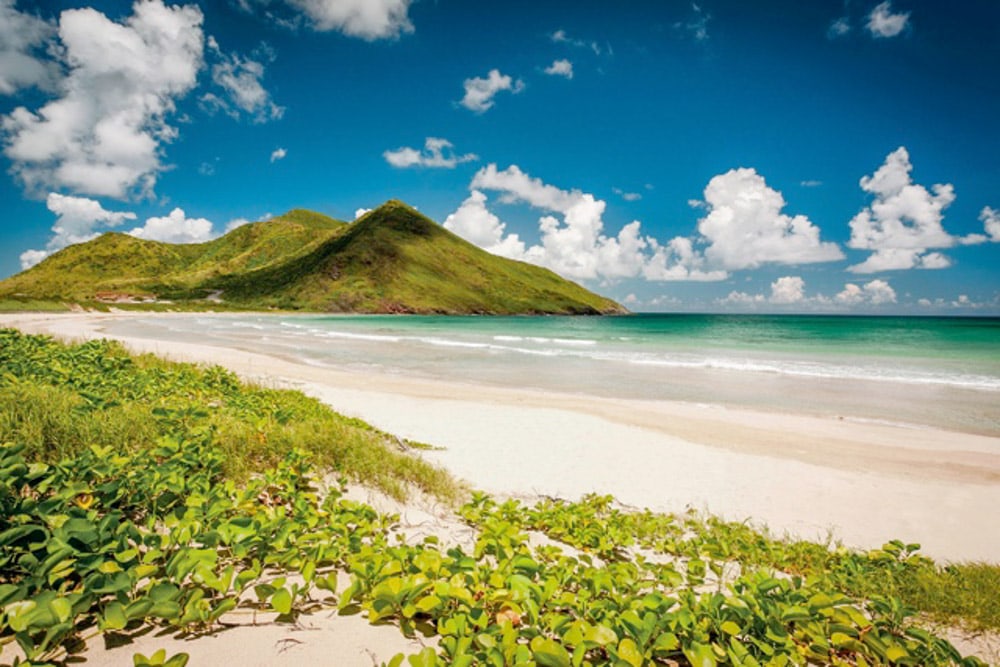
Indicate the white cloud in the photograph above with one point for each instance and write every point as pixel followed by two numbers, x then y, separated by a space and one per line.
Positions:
pixel 678 260
pixel 876 292
pixel 479 92
pixel 790 291
pixel 991 223
pixel 883 23
pixel 560 37
pixel 22 36
pixel 745 227
pixel 78 219
pixel 236 222
pixel 575 246
pixel 175 228
pixel 627 196
pixel 630 300
pixel 903 222
pixel 367 19
pixel 104 136
pixel 838 28
pixel 437 153
pixel 810 184
pixel 743 299
pixel 560 68
pixel 473 222
pixel 240 79
pixel 697 24
pixel 31 257
pixel 360 212
pixel 278 154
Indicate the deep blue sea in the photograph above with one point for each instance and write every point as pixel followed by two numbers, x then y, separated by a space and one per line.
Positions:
pixel 942 371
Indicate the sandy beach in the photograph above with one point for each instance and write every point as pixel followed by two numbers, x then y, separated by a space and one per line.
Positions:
pixel 859 481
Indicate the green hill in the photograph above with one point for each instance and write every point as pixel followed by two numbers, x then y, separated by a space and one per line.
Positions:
pixel 391 260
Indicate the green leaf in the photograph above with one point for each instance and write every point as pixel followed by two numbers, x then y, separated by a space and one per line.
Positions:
pixel 62 608
pixel 114 617
pixel 730 628
pixel 700 655
pixel 601 635
pixel 549 653
pixel 629 652
pixel 177 660
pixel 281 601
pixel 426 658
pixel 666 642
pixel 895 653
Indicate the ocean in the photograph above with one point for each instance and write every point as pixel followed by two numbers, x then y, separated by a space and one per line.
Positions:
pixel 942 372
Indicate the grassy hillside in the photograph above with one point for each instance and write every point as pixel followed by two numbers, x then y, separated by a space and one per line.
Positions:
pixel 122 263
pixel 391 260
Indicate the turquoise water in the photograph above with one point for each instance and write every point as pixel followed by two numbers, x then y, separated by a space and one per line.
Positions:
pixel 944 371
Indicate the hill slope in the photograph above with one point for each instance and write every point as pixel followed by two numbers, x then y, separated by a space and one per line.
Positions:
pixel 391 260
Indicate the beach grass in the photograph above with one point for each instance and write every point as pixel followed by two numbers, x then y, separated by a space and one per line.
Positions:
pixel 58 400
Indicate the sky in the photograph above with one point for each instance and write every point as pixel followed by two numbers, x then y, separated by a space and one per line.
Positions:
pixel 719 156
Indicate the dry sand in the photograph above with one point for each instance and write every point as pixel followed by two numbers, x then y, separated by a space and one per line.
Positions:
pixel 859 481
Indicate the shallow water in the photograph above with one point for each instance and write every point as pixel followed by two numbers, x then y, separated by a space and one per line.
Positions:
pixel 925 371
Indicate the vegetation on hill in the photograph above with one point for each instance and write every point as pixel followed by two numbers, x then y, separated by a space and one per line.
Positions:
pixel 120 510
pixel 391 260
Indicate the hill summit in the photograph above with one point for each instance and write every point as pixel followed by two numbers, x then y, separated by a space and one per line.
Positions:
pixel 390 260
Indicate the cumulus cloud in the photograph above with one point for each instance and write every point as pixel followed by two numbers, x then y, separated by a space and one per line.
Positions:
pixel 883 23
pixel 991 222
pixel 78 219
pixel 787 290
pixel 240 80
pixel 560 68
pixel 876 292
pixel 790 291
pixel 104 135
pixel 904 220
pixel 479 92
pixel 745 227
pixel 22 37
pixel 437 153
pixel 175 228
pixel 278 154
pixel 367 19
pixel 473 222
pixel 236 222
pixel 573 246
pixel 678 260
pixel 360 212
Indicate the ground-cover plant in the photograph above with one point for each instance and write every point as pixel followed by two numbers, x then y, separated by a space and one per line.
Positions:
pixel 963 593
pixel 59 399
pixel 103 542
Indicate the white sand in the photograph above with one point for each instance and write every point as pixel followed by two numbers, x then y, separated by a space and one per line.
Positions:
pixel 861 482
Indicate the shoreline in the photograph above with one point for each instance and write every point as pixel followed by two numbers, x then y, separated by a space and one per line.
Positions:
pixel 861 481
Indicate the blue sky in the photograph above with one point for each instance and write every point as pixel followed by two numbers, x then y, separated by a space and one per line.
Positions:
pixel 719 156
